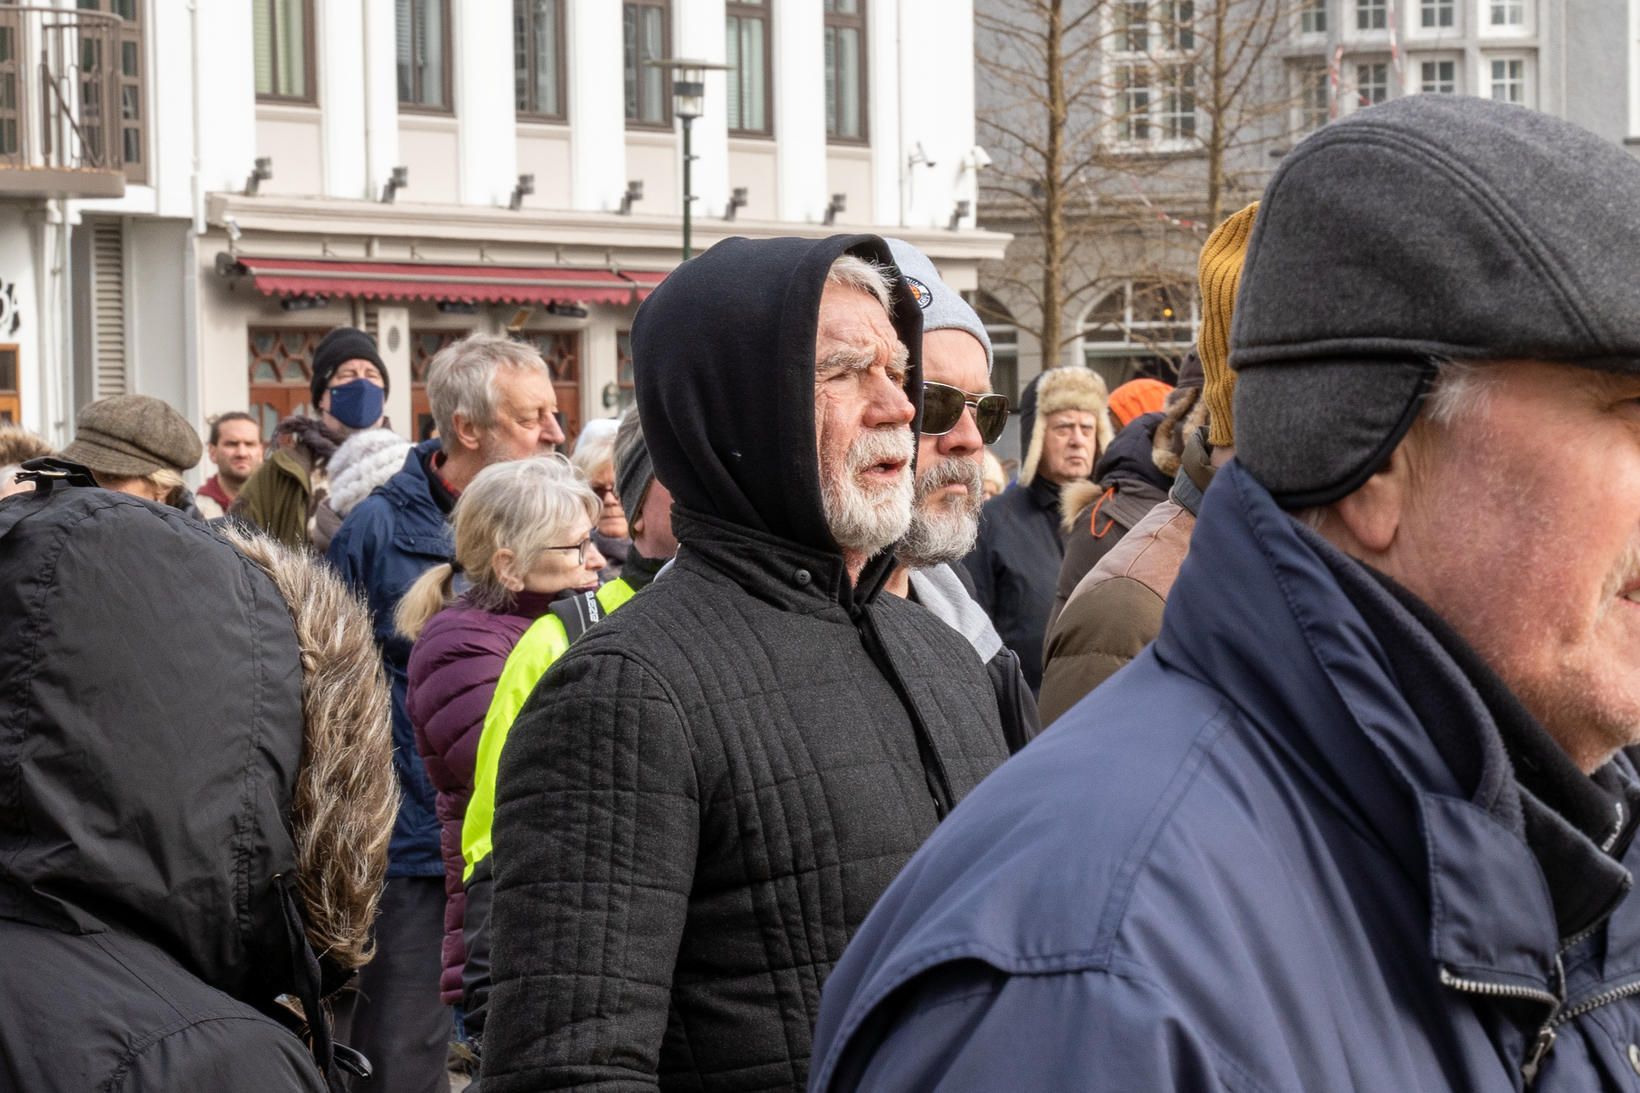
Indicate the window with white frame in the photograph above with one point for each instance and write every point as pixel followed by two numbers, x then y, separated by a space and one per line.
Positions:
pixel 1438 77
pixel 1508 13
pixel 1371 84
pixel 1508 82
pixel 749 75
pixel 1312 17
pixel 1154 73
pixel 1437 14
pixel 1311 94
pixel 1140 327
pixel 1371 14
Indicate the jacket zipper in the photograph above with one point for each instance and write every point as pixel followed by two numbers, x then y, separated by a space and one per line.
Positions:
pixel 1545 1038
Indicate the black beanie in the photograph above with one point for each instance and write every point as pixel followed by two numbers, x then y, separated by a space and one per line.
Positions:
pixel 345 343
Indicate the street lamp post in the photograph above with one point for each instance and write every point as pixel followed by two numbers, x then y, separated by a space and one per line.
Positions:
pixel 688 103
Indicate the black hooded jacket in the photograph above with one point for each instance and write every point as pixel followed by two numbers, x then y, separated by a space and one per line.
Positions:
pixel 150 736
pixel 704 798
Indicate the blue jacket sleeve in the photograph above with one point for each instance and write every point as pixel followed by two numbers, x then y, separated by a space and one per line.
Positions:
pixel 967 1026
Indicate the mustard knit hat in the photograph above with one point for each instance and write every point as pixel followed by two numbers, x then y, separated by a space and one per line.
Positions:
pixel 1220 273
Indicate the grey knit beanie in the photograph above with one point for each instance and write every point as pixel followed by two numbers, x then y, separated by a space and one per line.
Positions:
pixel 633 468
pixel 943 308
pixel 1431 228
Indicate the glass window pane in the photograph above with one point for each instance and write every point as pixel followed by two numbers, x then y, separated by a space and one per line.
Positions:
pixel 265 372
pixel 292 35
pixel 731 45
pixel 756 95
pixel 546 58
pixel 262 45
pixel 403 45
pixel 630 60
pixel 653 106
pixel 434 54
pixel 521 56
pixel 848 83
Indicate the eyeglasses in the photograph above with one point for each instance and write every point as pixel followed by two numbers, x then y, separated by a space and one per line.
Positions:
pixel 579 548
pixel 943 405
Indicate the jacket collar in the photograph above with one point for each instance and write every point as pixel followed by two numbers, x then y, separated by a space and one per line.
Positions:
pixel 1321 685
pixel 789 575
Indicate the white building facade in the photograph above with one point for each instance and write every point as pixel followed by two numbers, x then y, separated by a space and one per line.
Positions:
pixel 426 168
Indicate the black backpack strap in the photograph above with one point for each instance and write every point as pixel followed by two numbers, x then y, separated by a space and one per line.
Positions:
pixel 577 612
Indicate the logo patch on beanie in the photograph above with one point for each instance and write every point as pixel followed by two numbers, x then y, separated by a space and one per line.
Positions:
pixel 919 291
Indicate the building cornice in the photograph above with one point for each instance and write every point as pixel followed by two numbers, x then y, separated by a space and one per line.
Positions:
pixel 335 217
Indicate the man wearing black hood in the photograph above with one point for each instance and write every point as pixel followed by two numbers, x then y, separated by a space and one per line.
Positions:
pixel 707 793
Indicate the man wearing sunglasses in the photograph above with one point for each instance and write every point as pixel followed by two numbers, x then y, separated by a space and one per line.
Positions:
pixel 961 415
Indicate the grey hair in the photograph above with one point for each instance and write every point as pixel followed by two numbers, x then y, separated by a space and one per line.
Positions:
pixel 595 446
pixel 461 378
pixel 852 271
pixel 1460 389
pixel 523 505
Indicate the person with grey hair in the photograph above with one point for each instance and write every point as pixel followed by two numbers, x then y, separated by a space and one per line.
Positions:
pixel 493 401
pixel 708 790
pixel 594 458
pixel 950 481
pixel 1363 815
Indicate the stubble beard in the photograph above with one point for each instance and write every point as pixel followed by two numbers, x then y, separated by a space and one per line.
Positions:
pixel 944 532
pixel 864 519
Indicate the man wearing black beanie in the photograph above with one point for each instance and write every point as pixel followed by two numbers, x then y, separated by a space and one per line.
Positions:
pixel 1363 815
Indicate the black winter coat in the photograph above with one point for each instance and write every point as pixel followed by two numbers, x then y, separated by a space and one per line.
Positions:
pixel 707 793
pixel 149 744
pixel 1015 566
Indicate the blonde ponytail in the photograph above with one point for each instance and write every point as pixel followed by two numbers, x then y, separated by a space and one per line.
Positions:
pixel 426 598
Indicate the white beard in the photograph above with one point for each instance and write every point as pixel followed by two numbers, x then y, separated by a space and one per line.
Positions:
pixel 861 518
pixel 943 533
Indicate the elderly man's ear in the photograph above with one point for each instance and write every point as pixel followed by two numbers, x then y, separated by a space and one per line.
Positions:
pixel 1365 523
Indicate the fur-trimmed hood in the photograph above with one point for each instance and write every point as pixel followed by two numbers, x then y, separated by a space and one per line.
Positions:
pixel 1072 387
pixel 191 719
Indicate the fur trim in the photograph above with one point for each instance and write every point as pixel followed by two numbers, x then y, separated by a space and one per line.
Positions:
pixel 1171 431
pixel 1070 387
pixel 1075 498
pixel 346 792
pixel 363 462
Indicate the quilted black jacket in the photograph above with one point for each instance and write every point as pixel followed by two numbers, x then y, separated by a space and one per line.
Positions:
pixel 705 797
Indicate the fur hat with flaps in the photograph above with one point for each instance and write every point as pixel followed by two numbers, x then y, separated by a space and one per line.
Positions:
pixel 1071 387
pixel 200 752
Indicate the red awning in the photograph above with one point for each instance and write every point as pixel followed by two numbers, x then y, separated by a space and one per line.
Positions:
pixel 645 279
pixel 472 283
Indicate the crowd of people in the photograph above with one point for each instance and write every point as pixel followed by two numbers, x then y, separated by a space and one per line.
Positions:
pixel 1269 731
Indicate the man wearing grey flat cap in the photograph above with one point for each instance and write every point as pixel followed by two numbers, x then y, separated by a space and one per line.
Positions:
pixel 1363 816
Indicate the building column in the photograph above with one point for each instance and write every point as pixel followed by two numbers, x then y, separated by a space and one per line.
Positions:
pixel 936 103
pixel 393 343
pixel 593 47
pixel 381 95
pixel 888 151
pixel 340 42
pixel 698 34
pixel 800 111
pixel 485 106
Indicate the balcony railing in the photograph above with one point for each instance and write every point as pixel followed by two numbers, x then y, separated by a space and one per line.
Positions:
pixel 60 122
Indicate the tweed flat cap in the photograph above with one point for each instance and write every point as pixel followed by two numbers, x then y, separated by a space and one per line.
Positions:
pixel 1433 227
pixel 133 435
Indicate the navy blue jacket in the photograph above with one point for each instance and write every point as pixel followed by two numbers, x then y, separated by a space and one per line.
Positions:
pixel 392 537
pixel 1015 567
pixel 1243 863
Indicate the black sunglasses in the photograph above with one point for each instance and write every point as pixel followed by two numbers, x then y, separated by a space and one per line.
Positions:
pixel 942 409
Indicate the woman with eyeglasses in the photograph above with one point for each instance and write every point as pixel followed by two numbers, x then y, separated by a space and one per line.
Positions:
pixel 523 539
pixel 594 457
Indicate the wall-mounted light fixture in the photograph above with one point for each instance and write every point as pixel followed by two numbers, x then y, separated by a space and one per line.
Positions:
pixel 959 212
pixel 457 307
pixel 634 192
pixel 303 302
pixel 525 187
pixel 837 204
pixel 398 181
pixel 259 174
pixel 566 310
pixel 737 201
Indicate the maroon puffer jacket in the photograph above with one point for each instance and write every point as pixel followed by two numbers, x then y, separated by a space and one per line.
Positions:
pixel 453 670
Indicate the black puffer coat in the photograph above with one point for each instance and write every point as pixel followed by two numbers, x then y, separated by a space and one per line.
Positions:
pixel 707 793
pixel 149 744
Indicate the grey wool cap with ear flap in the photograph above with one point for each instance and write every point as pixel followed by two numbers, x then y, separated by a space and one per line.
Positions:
pixel 1434 227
